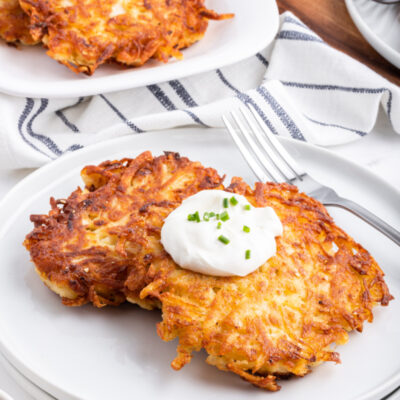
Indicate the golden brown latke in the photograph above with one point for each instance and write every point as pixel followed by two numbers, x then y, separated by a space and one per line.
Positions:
pixel 284 317
pixel 82 34
pixel 102 244
pixel 97 245
pixel 14 23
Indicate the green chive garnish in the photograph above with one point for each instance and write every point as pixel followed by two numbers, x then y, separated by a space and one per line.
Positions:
pixel 194 217
pixel 224 216
pixel 225 202
pixel 219 225
pixel 247 207
pixel 247 254
pixel 217 216
pixel 246 229
pixel 206 216
pixel 191 217
pixel 233 201
pixel 211 214
pixel 223 239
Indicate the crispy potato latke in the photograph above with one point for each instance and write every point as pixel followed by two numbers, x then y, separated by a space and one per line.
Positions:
pixel 82 34
pixel 282 318
pixel 97 245
pixel 14 23
pixel 102 244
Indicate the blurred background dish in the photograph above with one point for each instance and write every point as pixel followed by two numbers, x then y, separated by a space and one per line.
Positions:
pixel 224 43
pixel 380 26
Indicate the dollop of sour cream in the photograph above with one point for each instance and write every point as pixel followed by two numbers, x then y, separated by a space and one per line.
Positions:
pixel 219 233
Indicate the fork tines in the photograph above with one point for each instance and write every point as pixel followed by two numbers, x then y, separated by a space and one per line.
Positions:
pixel 262 151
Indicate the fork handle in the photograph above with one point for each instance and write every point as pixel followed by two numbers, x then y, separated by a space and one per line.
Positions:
pixel 366 216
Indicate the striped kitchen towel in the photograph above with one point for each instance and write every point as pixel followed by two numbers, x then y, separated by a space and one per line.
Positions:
pixel 301 87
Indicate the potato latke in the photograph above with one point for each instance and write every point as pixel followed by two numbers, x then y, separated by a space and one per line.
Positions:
pixel 102 244
pixel 14 23
pixel 283 318
pixel 97 245
pixel 84 34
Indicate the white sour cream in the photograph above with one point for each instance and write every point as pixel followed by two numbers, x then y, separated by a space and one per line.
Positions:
pixel 200 247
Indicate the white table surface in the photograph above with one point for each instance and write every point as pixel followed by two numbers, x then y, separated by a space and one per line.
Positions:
pixel 379 151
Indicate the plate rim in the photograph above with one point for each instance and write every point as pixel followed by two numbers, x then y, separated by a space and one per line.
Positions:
pixel 27 371
pixel 23 382
pixel 371 37
pixel 119 82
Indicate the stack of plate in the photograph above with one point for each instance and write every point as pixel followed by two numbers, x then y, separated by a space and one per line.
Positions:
pixel 87 353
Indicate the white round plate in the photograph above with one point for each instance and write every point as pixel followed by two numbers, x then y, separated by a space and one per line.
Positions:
pixel 29 387
pixel 30 72
pixel 115 353
pixel 380 26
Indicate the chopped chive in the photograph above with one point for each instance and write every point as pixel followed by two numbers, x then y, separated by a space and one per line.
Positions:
pixel 247 207
pixel 219 225
pixel 246 229
pixel 217 216
pixel 206 216
pixel 211 214
pixel 225 202
pixel 223 239
pixel 224 216
pixel 247 254
pixel 233 200
pixel 196 216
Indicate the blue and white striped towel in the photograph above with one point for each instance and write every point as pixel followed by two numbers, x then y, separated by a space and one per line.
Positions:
pixel 299 85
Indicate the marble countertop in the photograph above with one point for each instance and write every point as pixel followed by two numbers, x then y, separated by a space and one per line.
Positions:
pixel 379 151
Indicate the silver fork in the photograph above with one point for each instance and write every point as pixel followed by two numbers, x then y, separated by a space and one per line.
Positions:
pixel 270 161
